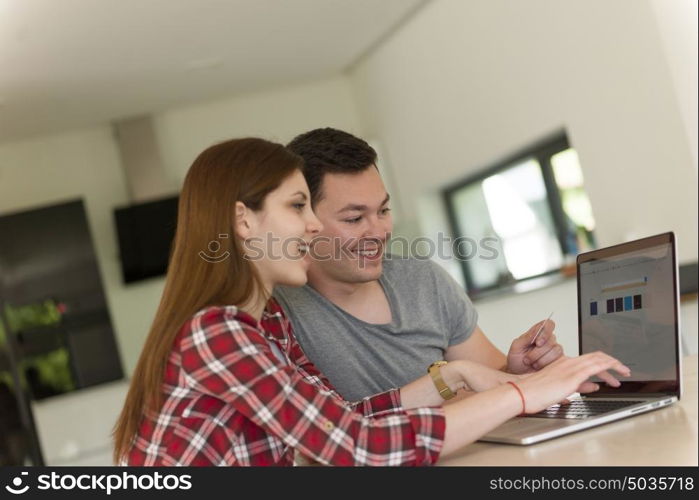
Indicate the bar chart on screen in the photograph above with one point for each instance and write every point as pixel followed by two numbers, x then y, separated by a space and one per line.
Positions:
pixel 620 297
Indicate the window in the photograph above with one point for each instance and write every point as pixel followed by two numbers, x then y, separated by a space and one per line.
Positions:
pixel 531 210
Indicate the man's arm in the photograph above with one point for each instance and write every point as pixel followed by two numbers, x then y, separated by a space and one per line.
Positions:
pixel 479 349
pixel 522 357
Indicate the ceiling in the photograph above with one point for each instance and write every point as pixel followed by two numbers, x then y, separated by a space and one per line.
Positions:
pixel 73 63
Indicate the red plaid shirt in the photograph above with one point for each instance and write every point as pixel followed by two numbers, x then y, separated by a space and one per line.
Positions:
pixel 239 392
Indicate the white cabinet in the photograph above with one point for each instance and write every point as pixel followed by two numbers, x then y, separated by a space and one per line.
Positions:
pixel 75 428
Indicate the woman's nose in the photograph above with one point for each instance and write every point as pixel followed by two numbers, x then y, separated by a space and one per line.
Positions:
pixel 314 225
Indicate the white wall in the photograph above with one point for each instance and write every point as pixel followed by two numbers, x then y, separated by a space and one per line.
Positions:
pixel 678 26
pixel 465 83
pixel 278 115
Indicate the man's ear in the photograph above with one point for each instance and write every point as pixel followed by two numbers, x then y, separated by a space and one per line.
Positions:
pixel 242 221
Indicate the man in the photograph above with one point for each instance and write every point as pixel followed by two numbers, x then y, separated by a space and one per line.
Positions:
pixel 368 320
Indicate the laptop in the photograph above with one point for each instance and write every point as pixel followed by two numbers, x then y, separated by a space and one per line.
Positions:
pixel 628 305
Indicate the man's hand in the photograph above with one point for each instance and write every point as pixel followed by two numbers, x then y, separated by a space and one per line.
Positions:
pixel 525 358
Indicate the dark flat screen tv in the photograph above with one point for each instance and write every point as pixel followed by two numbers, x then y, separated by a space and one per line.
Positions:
pixel 145 233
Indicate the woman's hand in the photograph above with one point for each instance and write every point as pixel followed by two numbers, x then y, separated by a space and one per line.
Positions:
pixel 564 377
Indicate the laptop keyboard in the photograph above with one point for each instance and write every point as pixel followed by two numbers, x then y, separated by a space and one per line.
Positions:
pixel 583 409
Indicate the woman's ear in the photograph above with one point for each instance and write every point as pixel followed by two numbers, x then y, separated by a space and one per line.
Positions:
pixel 242 222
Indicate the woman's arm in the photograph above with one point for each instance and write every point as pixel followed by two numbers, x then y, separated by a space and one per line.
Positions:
pixel 469 419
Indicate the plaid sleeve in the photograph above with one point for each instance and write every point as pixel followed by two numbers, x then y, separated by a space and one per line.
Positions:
pixel 232 361
pixel 378 405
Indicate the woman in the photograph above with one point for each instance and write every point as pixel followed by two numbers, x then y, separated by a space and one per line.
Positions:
pixel 221 379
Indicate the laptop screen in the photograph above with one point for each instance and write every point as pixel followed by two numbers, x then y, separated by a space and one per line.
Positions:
pixel 627 308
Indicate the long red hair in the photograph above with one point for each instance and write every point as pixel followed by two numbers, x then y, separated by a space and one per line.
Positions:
pixel 243 170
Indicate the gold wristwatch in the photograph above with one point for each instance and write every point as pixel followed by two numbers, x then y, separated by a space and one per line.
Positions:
pixel 442 387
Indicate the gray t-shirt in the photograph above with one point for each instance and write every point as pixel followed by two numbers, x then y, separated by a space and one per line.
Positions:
pixel 430 312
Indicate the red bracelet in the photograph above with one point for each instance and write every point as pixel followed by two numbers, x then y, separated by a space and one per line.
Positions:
pixel 521 396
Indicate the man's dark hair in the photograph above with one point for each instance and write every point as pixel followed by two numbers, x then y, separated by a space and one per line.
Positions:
pixel 330 151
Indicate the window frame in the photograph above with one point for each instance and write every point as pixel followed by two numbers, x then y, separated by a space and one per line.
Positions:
pixel 542 151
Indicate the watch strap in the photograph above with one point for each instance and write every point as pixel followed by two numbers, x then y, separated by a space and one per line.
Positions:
pixel 435 373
